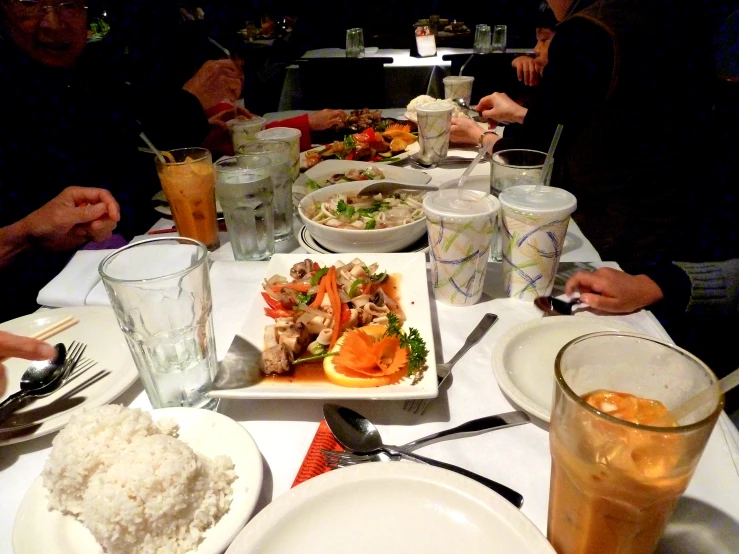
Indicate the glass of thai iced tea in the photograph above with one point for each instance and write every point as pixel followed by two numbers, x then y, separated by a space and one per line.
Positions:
pixel 189 181
pixel 619 461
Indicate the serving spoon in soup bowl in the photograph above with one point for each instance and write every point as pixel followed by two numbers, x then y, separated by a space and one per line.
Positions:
pixel 389 187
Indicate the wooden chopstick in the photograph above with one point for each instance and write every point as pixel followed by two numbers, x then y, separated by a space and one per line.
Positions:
pixel 51 330
pixel 54 328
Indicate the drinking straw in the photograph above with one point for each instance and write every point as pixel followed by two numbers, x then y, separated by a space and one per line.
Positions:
pixel 461 69
pixel 154 148
pixel 484 150
pixel 220 47
pixel 698 400
pixel 549 161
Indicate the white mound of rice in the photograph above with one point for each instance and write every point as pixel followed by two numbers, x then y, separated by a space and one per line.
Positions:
pixel 138 489
pixel 410 110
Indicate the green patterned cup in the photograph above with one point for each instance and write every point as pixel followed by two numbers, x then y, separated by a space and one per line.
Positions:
pixel 434 126
pixel 460 224
pixel 534 227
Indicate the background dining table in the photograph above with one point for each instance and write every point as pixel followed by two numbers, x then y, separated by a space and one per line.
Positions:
pixel 405 78
pixel 517 457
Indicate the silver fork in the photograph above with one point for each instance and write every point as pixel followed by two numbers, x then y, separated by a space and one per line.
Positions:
pixel 445 370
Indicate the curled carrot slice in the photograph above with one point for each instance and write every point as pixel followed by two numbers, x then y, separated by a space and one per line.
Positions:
pixel 359 353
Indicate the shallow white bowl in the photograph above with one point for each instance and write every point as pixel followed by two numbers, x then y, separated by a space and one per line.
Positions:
pixel 346 240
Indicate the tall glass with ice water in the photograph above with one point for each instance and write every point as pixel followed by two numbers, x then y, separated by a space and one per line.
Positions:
pixel 244 189
pixel 282 182
pixel 160 292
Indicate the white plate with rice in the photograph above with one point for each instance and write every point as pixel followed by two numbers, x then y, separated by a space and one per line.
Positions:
pixel 207 433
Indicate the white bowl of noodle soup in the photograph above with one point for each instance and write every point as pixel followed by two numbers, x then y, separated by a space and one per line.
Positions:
pixel 391 239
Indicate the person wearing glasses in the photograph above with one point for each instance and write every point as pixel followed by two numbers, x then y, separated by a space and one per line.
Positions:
pixel 69 120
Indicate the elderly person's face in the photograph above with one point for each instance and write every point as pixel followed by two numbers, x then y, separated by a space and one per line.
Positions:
pixel 560 7
pixel 52 32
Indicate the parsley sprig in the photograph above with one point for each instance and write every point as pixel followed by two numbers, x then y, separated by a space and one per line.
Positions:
pixel 411 340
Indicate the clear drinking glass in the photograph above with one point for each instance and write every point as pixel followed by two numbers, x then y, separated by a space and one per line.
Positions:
pixel 509 168
pixel 614 483
pixel 160 293
pixel 243 130
pixel 291 136
pixel 282 182
pixel 355 43
pixel 482 39
pixel 244 188
pixel 500 38
pixel 189 181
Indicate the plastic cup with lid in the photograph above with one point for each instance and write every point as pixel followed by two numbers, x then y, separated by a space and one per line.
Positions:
pixel 534 226
pixel 460 225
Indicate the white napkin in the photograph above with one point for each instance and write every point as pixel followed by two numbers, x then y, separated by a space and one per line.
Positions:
pixel 76 280
pixel 98 296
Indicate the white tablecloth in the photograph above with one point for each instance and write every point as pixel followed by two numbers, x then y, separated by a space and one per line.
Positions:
pixel 283 429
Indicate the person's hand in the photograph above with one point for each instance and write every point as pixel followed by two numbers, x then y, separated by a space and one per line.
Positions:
pixel 614 291
pixel 77 215
pixel 15 346
pixel 465 131
pixel 221 119
pixel 216 81
pixel 325 119
pixel 499 107
pixel 526 70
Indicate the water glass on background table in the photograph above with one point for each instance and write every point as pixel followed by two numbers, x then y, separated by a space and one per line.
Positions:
pixel 460 224
pixel 534 226
pixel 355 43
pixel 434 126
pixel 458 87
pixel 189 182
pixel 500 38
pixel 615 483
pixel 245 191
pixel 243 130
pixel 278 151
pixel 160 292
pixel 482 39
pixel 291 136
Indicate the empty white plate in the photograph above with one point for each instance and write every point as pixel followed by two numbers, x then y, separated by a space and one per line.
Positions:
pixel 523 358
pixel 390 507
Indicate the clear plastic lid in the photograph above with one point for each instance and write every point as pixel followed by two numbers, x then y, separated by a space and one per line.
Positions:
pixel 455 203
pixel 525 198
pixel 437 106
pixel 284 133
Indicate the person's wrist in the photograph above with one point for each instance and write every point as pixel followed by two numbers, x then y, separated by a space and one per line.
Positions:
pixel 651 292
pixel 487 137
pixel 520 114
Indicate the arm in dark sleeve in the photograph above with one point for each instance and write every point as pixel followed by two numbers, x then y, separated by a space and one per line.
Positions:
pixel 575 80
pixel 174 119
pixel 714 287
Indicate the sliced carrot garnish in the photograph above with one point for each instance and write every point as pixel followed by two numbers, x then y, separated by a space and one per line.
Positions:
pixel 359 353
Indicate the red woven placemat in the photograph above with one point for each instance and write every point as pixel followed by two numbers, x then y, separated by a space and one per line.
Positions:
pixel 314 464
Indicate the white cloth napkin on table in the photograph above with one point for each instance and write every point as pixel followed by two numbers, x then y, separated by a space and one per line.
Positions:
pixel 72 286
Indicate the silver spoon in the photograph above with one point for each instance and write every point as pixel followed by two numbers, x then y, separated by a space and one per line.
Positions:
pixel 40 379
pixel 356 433
pixel 388 187
pixel 553 306
pixel 462 103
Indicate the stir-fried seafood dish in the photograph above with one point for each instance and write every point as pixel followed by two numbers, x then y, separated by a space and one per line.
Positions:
pixel 321 308
pixel 381 211
pixel 369 145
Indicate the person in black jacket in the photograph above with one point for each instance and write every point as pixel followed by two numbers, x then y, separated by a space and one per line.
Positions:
pixel 633 96
pixel 69 119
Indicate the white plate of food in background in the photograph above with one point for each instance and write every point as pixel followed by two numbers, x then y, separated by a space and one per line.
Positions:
pixel 111 376
pixel 411 149
pixel 206 432
pixel 523 358
pixel 331 172
pixel 240 374
pixel 404 507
